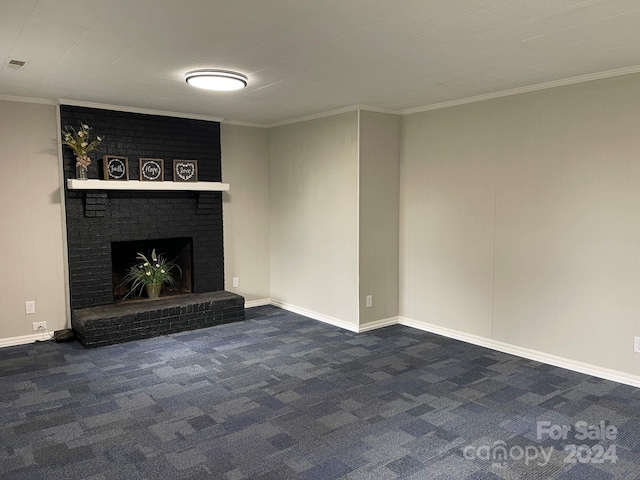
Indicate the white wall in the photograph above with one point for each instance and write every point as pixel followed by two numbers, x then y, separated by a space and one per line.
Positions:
pixel 520 220
pixel 245 166
pixel 314 216
pixel 31 238
pixel 379 172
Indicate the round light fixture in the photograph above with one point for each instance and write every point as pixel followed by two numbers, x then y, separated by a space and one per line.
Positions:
pixel 222 80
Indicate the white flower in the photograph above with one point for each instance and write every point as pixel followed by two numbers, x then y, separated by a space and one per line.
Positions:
pixel 162 270
pixel 81 134
pixel 85 126
pixel 84 144
pixel 146 264
pixel 99 139
pixel 157 265
pixel 148 274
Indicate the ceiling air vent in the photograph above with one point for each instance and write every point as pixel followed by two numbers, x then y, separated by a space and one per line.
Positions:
pixel 17 64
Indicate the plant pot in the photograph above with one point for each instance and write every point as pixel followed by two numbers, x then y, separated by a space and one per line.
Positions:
pixel 81 172
pixel 153 289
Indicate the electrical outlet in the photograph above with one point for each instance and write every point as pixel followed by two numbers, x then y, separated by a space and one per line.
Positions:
pixel 235 281
pixel 30 307
pixel 636 344
pixel 369 300
pixel 39 326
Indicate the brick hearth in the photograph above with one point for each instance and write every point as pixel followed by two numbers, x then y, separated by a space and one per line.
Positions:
pixel 126 321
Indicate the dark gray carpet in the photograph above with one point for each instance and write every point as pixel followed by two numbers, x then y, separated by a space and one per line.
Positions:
pixel 280 396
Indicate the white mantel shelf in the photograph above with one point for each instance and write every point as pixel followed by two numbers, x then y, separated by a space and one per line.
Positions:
pixel 73 184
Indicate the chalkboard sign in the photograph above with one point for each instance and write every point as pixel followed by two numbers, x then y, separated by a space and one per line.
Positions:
pixel 151 169
pixel 185 170
pixel 116 168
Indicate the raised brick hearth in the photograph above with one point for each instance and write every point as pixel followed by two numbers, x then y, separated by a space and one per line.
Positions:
pixel 126 321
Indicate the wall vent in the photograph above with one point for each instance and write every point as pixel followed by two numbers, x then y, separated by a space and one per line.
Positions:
pixel 17 64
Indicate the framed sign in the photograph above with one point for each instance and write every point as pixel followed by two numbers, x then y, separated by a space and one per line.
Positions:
pixel 116 168
pixel 185 170
pixel 151 169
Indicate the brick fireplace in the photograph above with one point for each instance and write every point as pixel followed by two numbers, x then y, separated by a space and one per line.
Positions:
pixel 100 223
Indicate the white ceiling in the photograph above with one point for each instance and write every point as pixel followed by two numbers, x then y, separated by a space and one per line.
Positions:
pixel 303 57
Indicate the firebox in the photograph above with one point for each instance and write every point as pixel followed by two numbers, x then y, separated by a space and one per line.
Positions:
pixel 177 250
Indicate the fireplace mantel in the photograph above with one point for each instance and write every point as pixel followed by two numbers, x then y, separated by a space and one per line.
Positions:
pixel 73 184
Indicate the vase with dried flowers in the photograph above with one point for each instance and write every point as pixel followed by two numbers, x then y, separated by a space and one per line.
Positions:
pixel 150 274
pixel 81 143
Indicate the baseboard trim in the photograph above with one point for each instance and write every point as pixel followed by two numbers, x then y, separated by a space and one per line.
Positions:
pixel 336 322
pixel 556 361
pixel 257 303
pixel 385 322
pixel 562 362
pixel 23 340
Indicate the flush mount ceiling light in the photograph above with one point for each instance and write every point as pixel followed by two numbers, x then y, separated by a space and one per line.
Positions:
pixel 222 80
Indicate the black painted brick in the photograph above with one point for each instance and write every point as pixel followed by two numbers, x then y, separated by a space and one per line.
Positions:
pixel 95 219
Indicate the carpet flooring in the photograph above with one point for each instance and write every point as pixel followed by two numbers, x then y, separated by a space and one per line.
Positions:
pixel 280 396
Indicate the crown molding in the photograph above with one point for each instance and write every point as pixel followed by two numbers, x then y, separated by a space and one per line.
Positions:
pixel 244 124
pixel 315 116
pixel 426 108
pixel 530 88
pixel 331 113
pixel 146 111
pixel 40 101
pixel 386 111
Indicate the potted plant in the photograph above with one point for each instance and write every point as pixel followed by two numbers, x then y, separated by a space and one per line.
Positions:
pixel 150 275
pixel 80 142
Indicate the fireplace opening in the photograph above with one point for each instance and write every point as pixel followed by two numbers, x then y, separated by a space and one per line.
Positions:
pixel 177 250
